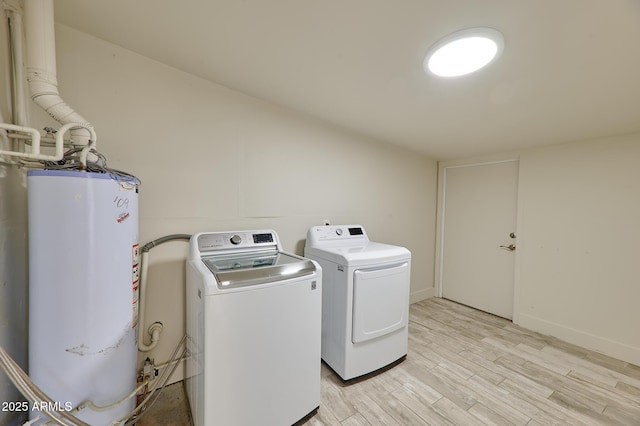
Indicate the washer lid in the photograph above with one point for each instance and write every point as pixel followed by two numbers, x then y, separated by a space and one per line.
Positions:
pixel 359 255
pixel 239 270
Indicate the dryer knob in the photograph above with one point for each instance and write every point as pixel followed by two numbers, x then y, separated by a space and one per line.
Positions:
pixel 339 231
pixel 236 240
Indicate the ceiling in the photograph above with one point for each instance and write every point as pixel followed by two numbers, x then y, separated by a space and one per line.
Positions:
pixel 570 69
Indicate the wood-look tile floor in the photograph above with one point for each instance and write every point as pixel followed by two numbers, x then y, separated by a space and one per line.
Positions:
pixel 466 367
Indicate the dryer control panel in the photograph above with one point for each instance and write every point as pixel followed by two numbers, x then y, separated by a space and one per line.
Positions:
pixel 335 233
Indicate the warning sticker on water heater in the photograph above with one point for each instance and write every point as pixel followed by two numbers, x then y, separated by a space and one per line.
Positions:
pixel 135 283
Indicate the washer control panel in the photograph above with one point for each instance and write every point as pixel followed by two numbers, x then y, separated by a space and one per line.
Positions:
pixel 236 240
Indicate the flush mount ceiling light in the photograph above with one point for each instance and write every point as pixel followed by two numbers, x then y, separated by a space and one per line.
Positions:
pixel 464 52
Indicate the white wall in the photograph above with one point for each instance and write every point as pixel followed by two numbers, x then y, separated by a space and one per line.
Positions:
pixel 214 159
pixel 578 248
pixel 577 258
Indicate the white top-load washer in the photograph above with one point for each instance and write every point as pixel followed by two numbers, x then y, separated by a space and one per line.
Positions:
pixel 365 299
pixel 253 324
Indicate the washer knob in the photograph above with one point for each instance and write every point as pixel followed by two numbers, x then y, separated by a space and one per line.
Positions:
pixel 236 240
pixel 339 231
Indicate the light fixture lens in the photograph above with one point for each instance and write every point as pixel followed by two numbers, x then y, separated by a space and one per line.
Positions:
pixel 464 52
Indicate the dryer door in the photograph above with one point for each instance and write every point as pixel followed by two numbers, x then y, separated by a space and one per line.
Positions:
pixel 380 301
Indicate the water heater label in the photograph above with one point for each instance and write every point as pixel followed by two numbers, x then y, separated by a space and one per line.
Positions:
pixel 135 283
pixel 136 254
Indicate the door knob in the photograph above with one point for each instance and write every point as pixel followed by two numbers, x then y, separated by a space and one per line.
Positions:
pixel 510 247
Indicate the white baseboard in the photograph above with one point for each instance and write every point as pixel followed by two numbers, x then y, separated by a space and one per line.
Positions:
pixel 581 338
pixel 420 295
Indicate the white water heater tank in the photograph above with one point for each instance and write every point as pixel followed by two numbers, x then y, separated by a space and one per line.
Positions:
pixel 83 289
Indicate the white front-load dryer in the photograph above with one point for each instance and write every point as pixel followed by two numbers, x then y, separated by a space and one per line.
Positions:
pixel 365 299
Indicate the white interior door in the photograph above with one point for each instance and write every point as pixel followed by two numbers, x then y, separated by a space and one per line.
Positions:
pixel 479 225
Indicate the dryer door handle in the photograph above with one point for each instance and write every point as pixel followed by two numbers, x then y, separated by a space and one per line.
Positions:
pixel 392 267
